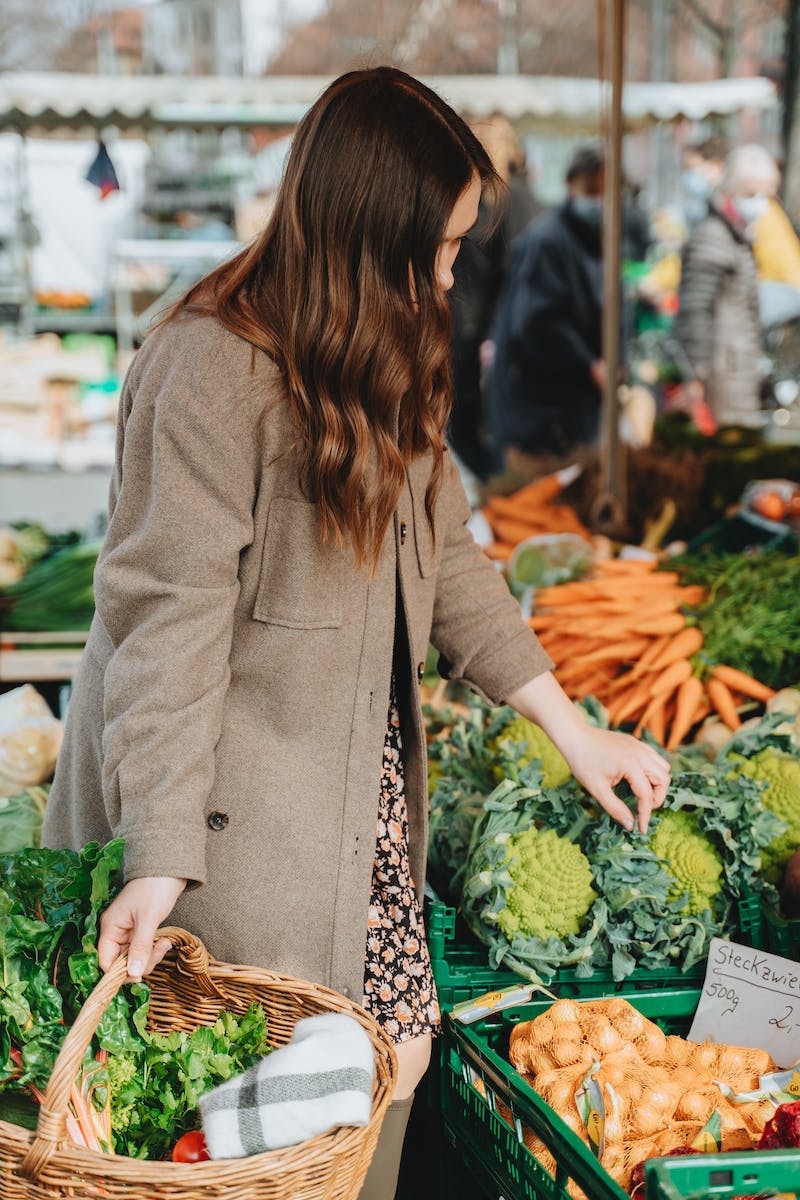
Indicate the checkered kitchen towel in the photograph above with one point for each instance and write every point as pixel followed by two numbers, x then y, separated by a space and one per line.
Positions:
pixel 321 1078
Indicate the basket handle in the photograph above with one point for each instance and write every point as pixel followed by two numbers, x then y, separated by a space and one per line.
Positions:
pixel 51 1128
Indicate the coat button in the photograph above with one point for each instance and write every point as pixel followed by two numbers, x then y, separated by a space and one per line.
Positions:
pixel 420 671
pixel 346 991
pixel 217 821
pixel 403 533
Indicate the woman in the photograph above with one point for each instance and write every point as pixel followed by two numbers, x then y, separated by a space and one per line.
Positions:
pixel 286 536
pixel 718 327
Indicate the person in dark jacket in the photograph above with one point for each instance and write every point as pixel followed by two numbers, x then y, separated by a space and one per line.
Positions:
pixel 548 371
pixel 478 279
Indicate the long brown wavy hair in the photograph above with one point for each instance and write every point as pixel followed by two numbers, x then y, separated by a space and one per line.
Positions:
pixel 340 291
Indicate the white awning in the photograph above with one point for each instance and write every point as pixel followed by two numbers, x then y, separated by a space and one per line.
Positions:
pixel 34 102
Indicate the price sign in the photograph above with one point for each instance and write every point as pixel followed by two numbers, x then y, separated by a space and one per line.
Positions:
pixel 750 998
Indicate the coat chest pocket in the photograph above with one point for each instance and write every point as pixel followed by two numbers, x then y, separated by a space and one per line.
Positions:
pixel 301 580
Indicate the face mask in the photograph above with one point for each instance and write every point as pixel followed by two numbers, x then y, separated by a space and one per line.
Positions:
pixel 588 209
pixel 750 208
pixel 696 185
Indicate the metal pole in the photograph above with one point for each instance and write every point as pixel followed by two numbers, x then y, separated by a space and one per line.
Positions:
pixel 665 177
pixel 507 50
pixel 611 508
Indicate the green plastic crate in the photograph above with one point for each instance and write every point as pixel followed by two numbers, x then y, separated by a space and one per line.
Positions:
pixel 497 1154
pixel 501 1163
pixel 743 532
pixel 462 972
pixel 724 1176
pixel 782 934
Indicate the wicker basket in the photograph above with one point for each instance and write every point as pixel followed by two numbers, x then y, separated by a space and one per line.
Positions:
pixel 190 989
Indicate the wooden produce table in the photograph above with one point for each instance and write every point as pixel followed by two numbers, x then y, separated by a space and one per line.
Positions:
pixel 40 657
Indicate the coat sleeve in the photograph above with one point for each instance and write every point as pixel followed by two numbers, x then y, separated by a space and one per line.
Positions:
pixel 706 262
pixel 477 625
pixel 166 586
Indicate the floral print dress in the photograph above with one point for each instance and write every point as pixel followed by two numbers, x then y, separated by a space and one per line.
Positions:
pixel 399 990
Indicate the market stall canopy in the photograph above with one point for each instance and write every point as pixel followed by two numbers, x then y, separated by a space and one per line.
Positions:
pixel 38 102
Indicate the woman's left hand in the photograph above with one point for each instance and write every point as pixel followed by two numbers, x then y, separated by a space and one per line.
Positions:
pixel 600 759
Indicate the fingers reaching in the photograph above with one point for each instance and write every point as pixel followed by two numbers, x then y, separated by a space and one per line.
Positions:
pixel 605 758
pixel 648 775
pixel 617 809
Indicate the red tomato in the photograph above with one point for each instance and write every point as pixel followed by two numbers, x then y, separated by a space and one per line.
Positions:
pixel 191 1148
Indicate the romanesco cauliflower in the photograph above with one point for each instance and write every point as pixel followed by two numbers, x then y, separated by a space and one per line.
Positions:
pixel 522 732
pixel 781 773
pixel 552 890
pixel 690 858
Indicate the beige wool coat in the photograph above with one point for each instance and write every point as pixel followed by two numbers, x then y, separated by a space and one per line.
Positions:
pixel 229 714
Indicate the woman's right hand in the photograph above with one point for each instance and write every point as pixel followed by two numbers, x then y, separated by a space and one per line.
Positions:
pixel 130 922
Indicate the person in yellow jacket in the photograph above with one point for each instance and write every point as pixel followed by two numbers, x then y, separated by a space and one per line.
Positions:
pixel 777 246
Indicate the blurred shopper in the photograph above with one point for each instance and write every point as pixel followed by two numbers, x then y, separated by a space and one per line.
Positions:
pixel 637 236
pixel 718 328
pixel 775 241
pixel 478 278
pixel 548 372
pixel 703 169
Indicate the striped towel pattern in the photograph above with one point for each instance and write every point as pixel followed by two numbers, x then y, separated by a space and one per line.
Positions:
pixel 320 1079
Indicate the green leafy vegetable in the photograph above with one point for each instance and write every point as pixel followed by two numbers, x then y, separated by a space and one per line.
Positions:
pixel 660 897
pixel 156 1083
pixel 481 748
pixel 21 819
pixel 769 756
pixel 751 619
pixel 55 594
pixel 50 901
pixel 534 746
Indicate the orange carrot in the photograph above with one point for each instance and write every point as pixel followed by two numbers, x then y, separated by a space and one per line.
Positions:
pixel 687 702
pixel 692 595
pixel 565 593
pixel 722 700
pixel 546 620
pixel 649 716
pixel 684 644
pixel 512 530
pixel 589 684
pixel 580 608
pixel 657 717
pixel 620 652
pixel 738 681
pixel 537 494
pixel 671 677
pixel 649 655
pixel 669 623
pixel 625 566
pixel 641 583
pixel 498 551
pixel 663 720
pixel 629 703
